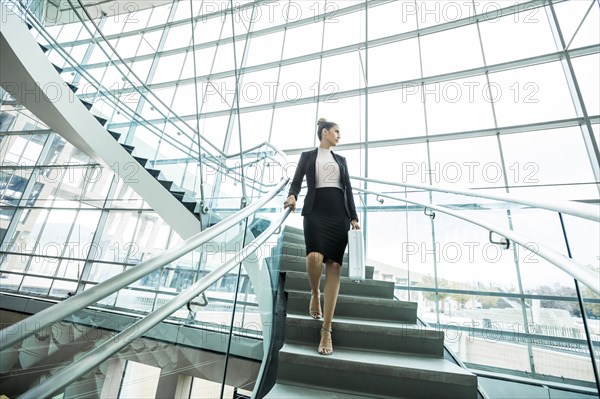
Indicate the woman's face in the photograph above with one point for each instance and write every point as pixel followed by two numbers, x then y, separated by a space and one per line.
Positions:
pixel 331 136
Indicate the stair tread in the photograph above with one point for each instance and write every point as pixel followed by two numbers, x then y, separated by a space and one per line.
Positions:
pixel 302 259
pixel 289 391
pixel 293 235
pixel 291 229
pixel 350 322
pixel 412 366
pixel 382 337
pixel 298 249
pixel 356 299
pixel 87 104
pixel 368 288
pixel 380 349
pixel 296 274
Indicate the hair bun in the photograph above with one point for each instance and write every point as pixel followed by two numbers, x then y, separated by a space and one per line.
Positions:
pixel 321 121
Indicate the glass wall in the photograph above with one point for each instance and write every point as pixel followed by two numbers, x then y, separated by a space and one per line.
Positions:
pixel 497 96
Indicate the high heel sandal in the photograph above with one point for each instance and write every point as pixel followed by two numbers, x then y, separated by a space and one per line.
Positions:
pixel 315 313
pixel 326 349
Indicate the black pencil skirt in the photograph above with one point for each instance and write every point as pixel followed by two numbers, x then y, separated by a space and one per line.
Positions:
pixel 326 228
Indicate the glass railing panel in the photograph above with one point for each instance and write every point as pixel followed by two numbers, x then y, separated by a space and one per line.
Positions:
pixel 486 296
pixel 137 300
pixel 465 257
pixel 544 226
pixel 183 172
pixel 145 142
pixel 228 198
pixel 188 175
pixel 62 344
pixel 254 310
pixel 583 237
pixel 490 332
pixel 559 314
pixel 559 320
pixel 102 107
pixel 204 339
pixel 406 231
pixel 476 325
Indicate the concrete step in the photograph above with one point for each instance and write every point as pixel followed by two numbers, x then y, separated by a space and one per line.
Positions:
pixel 287 391
pixel 294 238
pixel 141 161
pixel 127 148
pixel 293 230
pixel 298 264
pixel 367 335
pixel 101 120
pixel 87 104
pixel 154 172
pixel 115 135
pixel 298 281
pixel 296 249
pixel 58 69
pixel 179 195
pixel 166 184
pixel 375 374
pixel 380 309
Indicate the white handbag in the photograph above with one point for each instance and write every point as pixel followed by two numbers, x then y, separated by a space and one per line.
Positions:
pixel 356 255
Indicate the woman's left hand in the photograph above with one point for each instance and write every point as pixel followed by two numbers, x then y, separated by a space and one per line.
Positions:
pixel 355 224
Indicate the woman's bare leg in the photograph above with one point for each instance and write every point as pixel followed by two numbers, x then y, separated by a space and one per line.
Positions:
pixel 332 288
pixel 314 268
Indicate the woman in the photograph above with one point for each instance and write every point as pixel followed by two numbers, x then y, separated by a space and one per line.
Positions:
pixel 328 210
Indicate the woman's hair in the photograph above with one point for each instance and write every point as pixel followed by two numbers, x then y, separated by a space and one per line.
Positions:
pixel 323 123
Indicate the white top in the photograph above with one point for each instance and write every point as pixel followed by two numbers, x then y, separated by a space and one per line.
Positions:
pixel 327 171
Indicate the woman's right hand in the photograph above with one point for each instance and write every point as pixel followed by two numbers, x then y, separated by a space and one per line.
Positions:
pixel 290 202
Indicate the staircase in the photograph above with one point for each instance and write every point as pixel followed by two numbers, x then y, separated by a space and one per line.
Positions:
pixel 25 69
pixel 379 350
pixel 155 173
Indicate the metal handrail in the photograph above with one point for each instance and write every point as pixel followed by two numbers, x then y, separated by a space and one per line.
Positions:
pixel 19 331
pixel 573 268
pixel 113 345
pixel 566 207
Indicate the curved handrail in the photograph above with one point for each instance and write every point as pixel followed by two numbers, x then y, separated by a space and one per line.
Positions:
pixel 566 207
pixel 93 358
pixel 573 268
pixel 53 314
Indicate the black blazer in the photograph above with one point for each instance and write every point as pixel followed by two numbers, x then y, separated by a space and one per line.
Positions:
pixel 306 166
